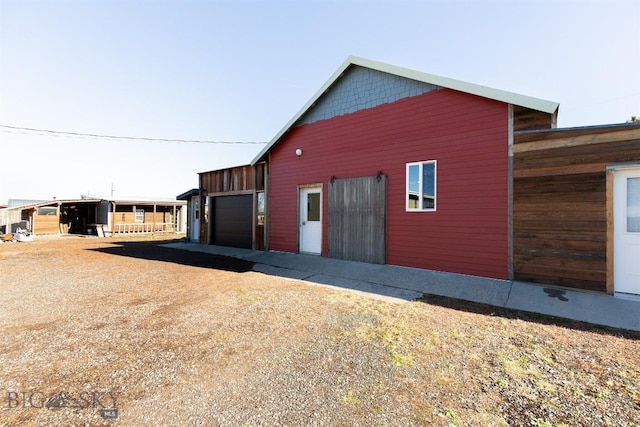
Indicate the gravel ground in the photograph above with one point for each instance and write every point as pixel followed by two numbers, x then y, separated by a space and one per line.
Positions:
pixel 125 332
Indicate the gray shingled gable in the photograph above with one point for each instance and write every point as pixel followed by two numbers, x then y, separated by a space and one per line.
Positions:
pixel 361 88
pixel 368 101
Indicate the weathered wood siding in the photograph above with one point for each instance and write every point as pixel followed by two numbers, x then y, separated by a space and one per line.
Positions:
pixel 237 180
pixel 357 219
pixel 149 216
pixel 527 119
pixel 46 224
pixel 559 205
pixel 10 219
pixel 467 135
pixel 124 217
pixel 158 219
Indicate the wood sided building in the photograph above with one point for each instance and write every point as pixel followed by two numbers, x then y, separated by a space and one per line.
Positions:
pixel 564 204
pixel 389 165
pixel 234 206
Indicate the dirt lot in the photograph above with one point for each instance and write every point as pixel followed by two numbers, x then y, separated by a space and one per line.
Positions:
pixel 124 332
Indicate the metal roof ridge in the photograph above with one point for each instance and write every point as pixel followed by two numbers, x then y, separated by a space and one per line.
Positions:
pixel 460 85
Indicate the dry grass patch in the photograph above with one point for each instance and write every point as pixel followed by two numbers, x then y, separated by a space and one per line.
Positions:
pixel 186 339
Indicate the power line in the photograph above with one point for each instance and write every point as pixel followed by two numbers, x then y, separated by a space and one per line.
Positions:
pixel 45 132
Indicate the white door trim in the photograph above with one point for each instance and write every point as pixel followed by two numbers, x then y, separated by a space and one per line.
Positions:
pixel 194 218
pixel 626 243
pixel 309 232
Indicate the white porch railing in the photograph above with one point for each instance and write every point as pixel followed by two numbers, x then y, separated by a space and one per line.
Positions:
pixel 142 227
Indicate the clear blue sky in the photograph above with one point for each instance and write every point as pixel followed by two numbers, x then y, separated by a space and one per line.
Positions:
pixel 239 70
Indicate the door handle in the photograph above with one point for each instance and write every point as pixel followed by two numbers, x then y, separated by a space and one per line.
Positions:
pixel 303 222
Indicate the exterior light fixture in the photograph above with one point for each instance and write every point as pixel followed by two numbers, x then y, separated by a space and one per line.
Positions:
pixel 298 152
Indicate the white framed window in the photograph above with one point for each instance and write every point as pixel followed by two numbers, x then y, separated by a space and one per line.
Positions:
pixel 47 211
pixel 421 186
pixel 139 215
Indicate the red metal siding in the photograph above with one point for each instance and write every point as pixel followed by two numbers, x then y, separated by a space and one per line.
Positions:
pixel 467 135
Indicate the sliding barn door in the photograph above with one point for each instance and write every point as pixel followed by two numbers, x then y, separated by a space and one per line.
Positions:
pixel 357 219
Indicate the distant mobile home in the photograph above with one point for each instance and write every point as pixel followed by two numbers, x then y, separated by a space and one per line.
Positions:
pixel 91 216
pixel 390 165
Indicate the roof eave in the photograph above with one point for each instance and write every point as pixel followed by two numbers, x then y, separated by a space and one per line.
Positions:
pixel 188 194
pixel 537 104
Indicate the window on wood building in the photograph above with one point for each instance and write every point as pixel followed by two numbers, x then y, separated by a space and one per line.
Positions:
pixel 139 215
pixel 261 213
pixel 421 186
pixel 47 211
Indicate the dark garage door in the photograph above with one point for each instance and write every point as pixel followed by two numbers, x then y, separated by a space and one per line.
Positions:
pixel 232 221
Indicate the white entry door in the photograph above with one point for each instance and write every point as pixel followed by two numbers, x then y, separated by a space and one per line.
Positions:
pixel 626 238
pixel 195 219
pixel 311 220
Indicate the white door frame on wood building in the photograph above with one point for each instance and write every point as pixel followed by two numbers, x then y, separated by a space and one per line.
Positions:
pixel 626 230
pixel 310 219
pixel 195 218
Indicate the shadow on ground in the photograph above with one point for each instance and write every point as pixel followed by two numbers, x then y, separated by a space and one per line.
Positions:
pixel 154 252
pixel 543 319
